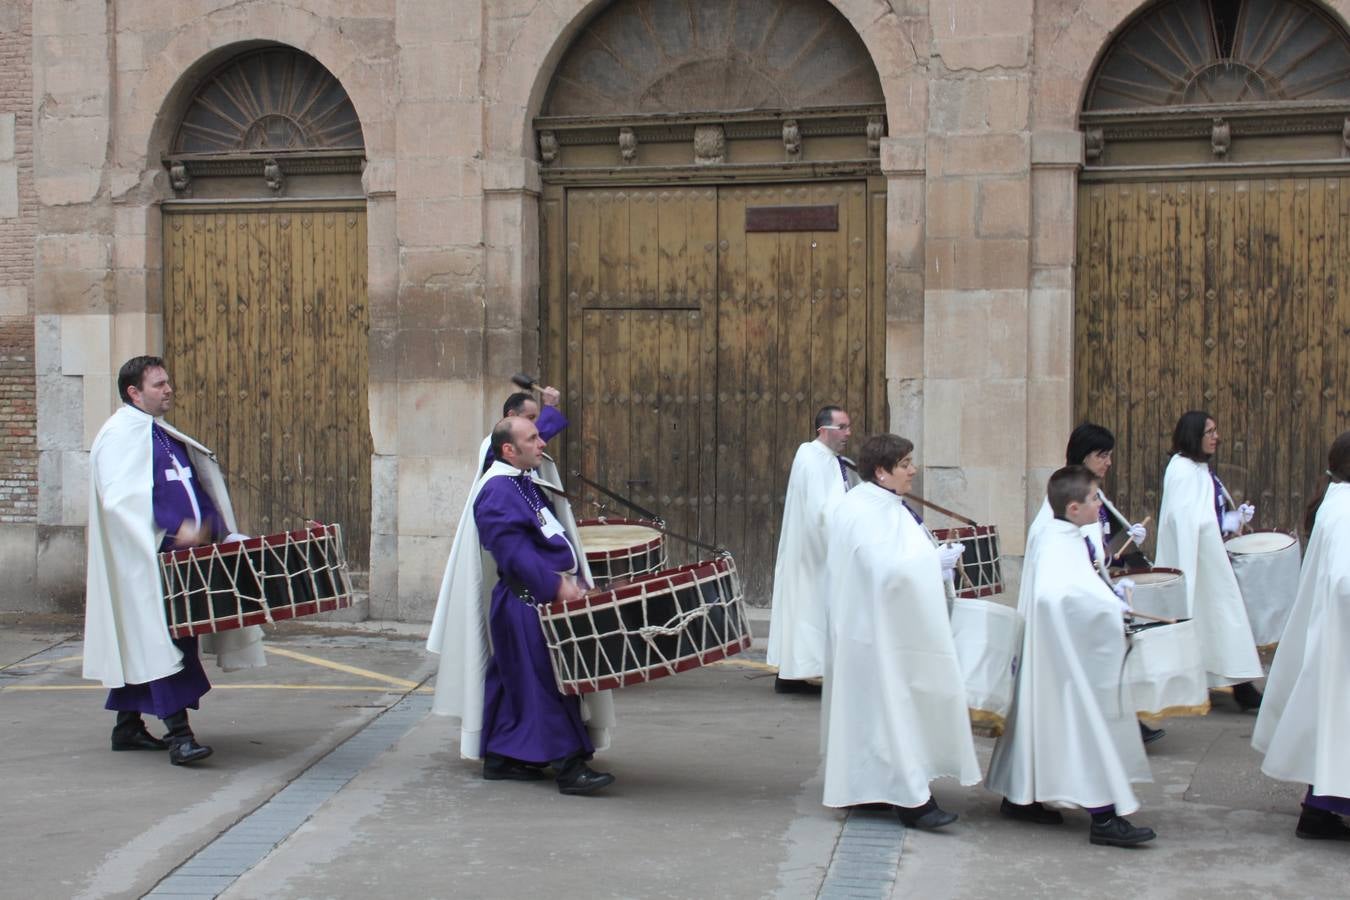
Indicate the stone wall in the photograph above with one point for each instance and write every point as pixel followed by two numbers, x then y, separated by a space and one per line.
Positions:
pixel 981 161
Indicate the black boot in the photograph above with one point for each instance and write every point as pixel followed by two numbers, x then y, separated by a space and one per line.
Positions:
pixel 794 686
pixel 1246 696
pixel 503 768
pixel 1034 812
pixel 1112 830
pixel 183 746
pixel 130 734
pixel 928 817
pixel 575 777
pixel 1150 735
pixel 1322 825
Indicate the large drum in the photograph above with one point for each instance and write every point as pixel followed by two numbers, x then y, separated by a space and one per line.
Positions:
pixel 1159 592
pixel 1165 671
pixel 655 626
pixel 217 587
pixel 979 572
pixel 621 549
pixel 988 638
pixel 1266 564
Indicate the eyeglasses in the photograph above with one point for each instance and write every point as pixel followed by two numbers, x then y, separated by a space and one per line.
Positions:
pixel 837 427
pixel 1211 432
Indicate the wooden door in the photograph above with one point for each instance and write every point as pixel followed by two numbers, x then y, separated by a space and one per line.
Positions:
pixel 265 336
pixel 696 352
pixel 1226 295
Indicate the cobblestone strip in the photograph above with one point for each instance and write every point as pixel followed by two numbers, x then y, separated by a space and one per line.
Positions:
pixel 214 868
pixel 865 859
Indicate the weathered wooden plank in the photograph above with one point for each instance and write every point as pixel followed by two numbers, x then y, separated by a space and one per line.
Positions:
pixel 878 408
pixel 802 217
pixel 854 276
pixel 759 446
pixel 703 205
pixel 732 382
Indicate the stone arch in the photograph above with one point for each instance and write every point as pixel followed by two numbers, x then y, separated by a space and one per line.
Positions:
pixel 1069 50
pixel 545 35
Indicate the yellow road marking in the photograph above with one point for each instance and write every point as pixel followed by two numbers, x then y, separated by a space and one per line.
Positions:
pixel 41 662
pixel 746 664
pixel 342 667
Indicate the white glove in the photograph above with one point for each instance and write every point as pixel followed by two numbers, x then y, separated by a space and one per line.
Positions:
pixel 1232 521
pixel 1122 590
pixel 948 556
pixel 1138 533
pixel 1247 512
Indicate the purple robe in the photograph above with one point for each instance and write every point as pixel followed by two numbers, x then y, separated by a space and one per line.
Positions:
pixel 550 423
pixel 525 717
pixel 175 488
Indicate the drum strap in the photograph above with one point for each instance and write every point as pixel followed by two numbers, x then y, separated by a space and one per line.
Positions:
pixel 917 499
pixel 657 521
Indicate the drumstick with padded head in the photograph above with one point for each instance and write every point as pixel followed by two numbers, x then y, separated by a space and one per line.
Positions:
pixel 525 382
pixel 1129 539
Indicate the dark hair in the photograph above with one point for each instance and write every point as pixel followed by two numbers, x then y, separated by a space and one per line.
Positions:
pixel 501 436
pixel 882 451
pixel 515 403
pixel 826 415
pixel 1085 440
pixel 132 374
pixel 1189 433
pixel 1338 469
pixel 1071 484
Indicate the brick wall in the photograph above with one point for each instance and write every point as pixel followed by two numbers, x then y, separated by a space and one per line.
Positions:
pixel 18 392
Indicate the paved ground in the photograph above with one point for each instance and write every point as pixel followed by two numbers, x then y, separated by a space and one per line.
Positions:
pixel 331 780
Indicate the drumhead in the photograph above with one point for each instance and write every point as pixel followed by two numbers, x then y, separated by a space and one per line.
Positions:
pixel 1260 542
pixel 604 538
pixel 1153 578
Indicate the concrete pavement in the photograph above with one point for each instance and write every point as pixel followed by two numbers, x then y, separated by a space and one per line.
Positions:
pixel 718 795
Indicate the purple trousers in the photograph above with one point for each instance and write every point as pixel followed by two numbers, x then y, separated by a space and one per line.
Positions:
pixel 1327 802
pixel 168 695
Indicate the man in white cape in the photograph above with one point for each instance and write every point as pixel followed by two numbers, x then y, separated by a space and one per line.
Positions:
pixel 894 717
pixel 1190 538
pixel 819 478
pixel 459 629
pixel 151 488
pixel 1071 737
pixel 1304 724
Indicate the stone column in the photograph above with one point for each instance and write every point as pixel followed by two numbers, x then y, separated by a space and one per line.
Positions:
pixel 977 255
pixel 437 331
pixel 74 291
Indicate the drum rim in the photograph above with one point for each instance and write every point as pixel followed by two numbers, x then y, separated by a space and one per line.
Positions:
pixel 1003 606
pixel 679 576
pixel 317 530
pixel 1292 538
pixel 1150 570
pixel 654 543
pixel 970 530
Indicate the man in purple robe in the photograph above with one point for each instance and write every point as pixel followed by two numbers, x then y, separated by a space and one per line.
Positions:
pixel 548 419
pixel 125 637
pixel 527 722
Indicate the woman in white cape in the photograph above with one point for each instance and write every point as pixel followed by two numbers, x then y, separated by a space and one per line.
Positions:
pixel 1191 526
pixel 894 713
pixel 1304 724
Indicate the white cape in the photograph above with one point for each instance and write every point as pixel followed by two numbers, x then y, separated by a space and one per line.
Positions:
pixel 459 628
pixel 1091 531
pixel 894 716
pixel 797 622
pixel 1304 724
pixel 1071 736
pixel 1189 540
pixel 126 630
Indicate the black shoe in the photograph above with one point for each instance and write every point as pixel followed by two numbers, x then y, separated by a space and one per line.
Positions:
pixel 1151 734
pixel 1035 813
pixel 1118 832
pixel 1322 825
pixel 130 734
pixel 928 817
pixel 583 779
pixel 183 751
pixel 499 768
pixel 794 686
pixel 1246 696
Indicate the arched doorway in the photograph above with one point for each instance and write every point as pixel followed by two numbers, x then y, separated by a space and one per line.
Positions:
pixel 1214 244
pixel 713 254
pixel 265 308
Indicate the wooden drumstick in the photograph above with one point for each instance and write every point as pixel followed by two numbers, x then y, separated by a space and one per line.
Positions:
pixel 1129 539
pixel 1139 615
